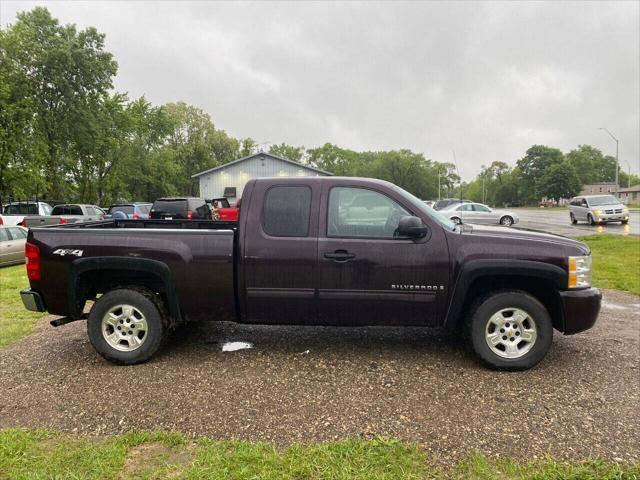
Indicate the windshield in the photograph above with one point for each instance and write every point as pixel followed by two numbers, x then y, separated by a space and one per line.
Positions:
pixel 170 206
pixel 128 209
pixel 419 205
pixel 603 200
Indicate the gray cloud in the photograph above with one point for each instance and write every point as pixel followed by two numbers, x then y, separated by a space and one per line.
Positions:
pixel 485 79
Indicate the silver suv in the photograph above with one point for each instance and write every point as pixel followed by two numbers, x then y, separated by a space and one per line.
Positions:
pixel 598 209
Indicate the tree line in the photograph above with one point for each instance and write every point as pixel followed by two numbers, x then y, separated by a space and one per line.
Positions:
pixel 67 135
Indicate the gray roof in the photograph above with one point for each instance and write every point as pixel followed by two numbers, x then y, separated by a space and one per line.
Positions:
pixel 261 154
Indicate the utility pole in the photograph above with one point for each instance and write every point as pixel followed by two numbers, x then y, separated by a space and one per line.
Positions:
pixel 617 163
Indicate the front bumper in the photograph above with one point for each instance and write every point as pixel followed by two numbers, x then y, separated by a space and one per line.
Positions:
pixel 580 309
pixel 32 301
pixel 611 217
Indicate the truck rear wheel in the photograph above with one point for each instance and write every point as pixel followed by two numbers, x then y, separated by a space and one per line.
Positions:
pixel 127 325
pixel 510 330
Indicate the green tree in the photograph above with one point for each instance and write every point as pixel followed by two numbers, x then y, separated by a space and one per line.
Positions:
pixel 63 69
pixel 339 161
pixel 248 146
pixel 559 181
pixel 21 146
pixel 196 145
pixel 533 165
pixel 591 165
pixel 288 151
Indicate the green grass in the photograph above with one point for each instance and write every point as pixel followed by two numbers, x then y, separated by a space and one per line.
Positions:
pixel 37 454
pixel 15 321
pixel 616 262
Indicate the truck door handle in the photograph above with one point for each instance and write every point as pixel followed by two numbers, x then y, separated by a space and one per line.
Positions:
pixel 339 256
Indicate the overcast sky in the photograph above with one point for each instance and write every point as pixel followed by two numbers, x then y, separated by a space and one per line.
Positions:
pixel 485 79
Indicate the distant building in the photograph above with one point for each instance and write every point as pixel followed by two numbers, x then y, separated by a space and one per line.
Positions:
pixel 596 188
pixel 229 180
pixel 630 194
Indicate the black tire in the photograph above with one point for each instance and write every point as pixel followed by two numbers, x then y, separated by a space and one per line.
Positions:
pixel 624 222
pixel 456 220
pixel 507 221
pixel 495 302
pixel 590 219
pixel 573 218
pixel 155 315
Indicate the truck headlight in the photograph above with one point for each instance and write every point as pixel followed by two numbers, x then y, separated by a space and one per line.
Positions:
pixel 625 210
pixel 598 212
pixel 580 271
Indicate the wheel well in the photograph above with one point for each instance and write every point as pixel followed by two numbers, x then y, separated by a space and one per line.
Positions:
pixel 543 290
pixel 92 283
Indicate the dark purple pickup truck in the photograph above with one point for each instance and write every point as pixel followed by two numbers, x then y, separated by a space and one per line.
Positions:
pixel 315 251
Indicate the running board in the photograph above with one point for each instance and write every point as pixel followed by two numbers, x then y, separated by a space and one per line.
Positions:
pixel 64 320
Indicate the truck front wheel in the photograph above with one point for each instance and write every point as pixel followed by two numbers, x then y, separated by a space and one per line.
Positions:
pixel 510 330
pixel 127 325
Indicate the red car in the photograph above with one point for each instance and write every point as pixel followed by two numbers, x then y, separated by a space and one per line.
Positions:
pixel 225 211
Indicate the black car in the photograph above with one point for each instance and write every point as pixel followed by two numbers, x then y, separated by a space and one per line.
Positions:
pixel 447 202
pixel 186 208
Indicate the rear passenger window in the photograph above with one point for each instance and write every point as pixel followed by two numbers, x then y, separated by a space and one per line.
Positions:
pixel 17 233
pixel 67 210
pixel 286 211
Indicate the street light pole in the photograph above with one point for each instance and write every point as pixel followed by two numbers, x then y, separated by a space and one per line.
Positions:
pixel 617 163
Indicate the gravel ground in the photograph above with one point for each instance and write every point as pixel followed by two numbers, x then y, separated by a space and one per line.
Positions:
pixel 582 401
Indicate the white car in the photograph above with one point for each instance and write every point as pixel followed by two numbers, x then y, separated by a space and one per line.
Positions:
pixel 598 209
pixel 479 213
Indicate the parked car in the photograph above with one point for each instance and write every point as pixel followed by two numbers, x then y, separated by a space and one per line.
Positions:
pixel 185 208
pixel 477 213
pixel 447 202
pixel 294 258
pixel 596 209
pixel 429 203
pixel 225 212
pixel 12 241
pixel 27 214
pixel 136 210
pixel 75 212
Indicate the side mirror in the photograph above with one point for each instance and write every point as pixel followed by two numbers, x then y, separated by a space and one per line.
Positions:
pixel 412 227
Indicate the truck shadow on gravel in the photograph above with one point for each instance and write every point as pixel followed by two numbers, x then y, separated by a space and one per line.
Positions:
pixel 304 340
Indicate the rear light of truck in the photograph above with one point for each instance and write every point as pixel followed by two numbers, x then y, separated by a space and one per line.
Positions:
pixel 23 223
pixel 1 221
pixel 62 221
pixel 136 216
pixel 32 255
pixel 189 215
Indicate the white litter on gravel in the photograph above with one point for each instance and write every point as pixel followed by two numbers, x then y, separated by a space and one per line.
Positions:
pixel 613 306
pixel 233 346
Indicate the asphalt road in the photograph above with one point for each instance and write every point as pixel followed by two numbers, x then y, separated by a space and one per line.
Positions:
pixel 304 384
pixel 557 221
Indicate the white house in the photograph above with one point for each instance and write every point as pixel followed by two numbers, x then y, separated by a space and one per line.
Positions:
pixel 229 180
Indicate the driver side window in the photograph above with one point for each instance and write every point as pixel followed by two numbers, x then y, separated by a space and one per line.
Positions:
pixel 359 212
pixel 480 208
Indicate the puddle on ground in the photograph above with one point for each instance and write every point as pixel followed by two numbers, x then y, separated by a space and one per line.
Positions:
pixel 234 346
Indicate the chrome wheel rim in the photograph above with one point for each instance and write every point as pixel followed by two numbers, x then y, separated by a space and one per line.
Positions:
pixel 511 333
pixel 124 328
pixel 506 221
